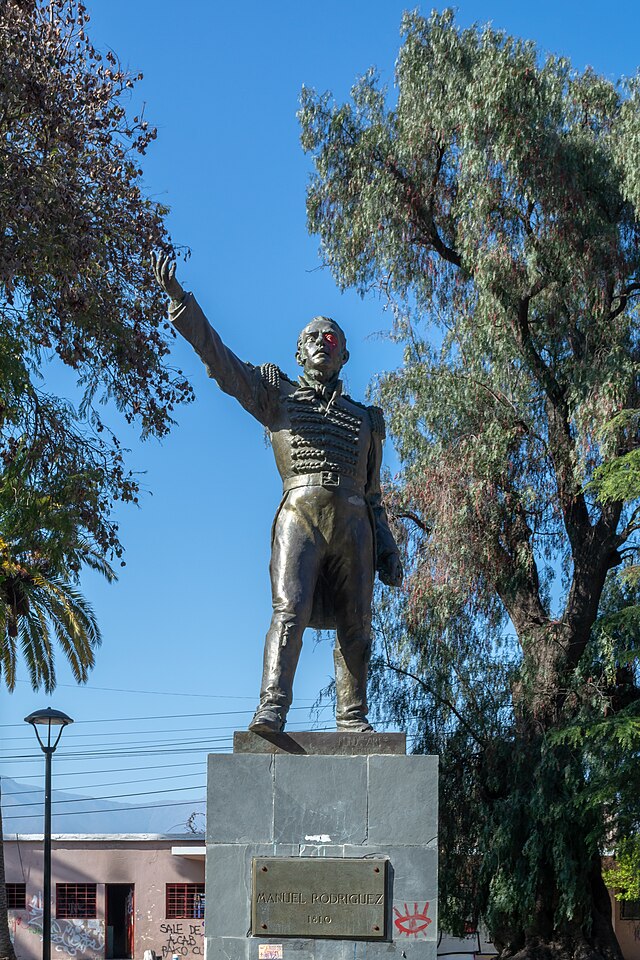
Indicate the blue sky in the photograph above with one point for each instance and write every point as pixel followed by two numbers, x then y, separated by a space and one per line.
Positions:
pixel 184 627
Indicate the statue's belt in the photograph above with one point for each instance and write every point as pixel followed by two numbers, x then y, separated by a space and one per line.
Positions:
pixel 326 478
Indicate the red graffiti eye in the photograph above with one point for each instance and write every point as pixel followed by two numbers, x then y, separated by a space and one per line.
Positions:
pixel 331 339
pixel 412 923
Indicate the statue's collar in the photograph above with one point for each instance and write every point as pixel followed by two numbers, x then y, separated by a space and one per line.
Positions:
pixel 310 389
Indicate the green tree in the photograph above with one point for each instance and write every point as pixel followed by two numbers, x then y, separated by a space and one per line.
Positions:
pixel 76 289
pixel 39 611
pixel 494 201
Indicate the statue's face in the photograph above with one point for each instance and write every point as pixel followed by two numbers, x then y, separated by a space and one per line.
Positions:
pixel 322 349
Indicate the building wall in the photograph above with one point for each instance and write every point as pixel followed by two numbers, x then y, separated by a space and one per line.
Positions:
pixel 627 933
pixel 148 864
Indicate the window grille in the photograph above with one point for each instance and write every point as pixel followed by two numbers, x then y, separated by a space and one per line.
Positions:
pixel 630 909
pixel 185 901
pixel 16 896
pixel 75 900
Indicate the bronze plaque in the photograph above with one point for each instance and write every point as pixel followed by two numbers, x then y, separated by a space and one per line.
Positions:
pixel 318 897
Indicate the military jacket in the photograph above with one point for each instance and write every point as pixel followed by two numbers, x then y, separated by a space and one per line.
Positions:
pixel 328 440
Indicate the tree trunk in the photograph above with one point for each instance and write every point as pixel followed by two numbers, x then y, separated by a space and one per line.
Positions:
pixel 542 790
pixel 593 940
pixel 6 946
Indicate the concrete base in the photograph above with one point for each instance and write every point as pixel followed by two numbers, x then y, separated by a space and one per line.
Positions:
pixel 306 805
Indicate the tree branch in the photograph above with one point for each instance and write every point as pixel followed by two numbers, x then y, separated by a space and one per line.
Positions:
pixel 624 300
pixel 410 515
pixel 424 212
pixel 447 703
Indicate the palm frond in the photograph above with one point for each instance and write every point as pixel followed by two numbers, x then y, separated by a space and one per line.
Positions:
pixel 37 650
pixel 8 650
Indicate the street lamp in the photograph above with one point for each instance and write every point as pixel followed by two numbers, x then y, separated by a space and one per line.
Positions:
pixel 50 719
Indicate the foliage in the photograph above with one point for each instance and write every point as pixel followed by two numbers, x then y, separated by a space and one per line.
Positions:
pixel 493 203
pixel 35 609
pixel 75 275
pixel 625 875
pixel 76 290
pixel 619 477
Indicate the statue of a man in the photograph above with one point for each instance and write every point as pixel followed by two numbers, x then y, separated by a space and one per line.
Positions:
pixel 330 533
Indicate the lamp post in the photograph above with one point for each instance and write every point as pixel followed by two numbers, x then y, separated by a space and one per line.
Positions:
pixel 48 719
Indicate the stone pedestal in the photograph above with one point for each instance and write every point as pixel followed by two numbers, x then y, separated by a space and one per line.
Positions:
pixel 341 796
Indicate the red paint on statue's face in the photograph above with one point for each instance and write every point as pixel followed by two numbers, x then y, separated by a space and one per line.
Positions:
pixel 321 350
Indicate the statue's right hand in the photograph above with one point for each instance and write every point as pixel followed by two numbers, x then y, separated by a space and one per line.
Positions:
pixel 164 268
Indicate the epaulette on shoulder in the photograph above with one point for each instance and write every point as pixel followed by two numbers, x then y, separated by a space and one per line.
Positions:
pixel 271 374
pixel 376 417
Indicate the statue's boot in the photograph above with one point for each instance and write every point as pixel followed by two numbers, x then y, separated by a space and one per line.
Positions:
pixel 351 691
pixel 267 720
pixel 281 654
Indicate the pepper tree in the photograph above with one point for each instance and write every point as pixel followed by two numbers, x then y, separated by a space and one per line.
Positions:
pixel 493 202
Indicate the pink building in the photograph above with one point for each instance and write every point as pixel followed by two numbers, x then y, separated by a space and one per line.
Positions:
pixel 116 895
pixel 113 895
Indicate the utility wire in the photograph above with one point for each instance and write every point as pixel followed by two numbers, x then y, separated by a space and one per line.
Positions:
pixel 140 748
pixel 85 813
pixel 166 716
pixel 136 769
pixel 116 796
pixel 153 693
pixel 131 738
pixel 133 749
pixel 110 783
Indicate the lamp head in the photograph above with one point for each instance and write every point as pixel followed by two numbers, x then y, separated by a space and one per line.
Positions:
pixel 48 718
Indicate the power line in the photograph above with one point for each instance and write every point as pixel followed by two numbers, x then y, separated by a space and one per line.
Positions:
pixel 166 716
pixel 72 736
pixel 151 693
pixel 116 796
pixel 109 783
pixel 68 752
pixel 144 748
pixel 136 769
pixel 134 749
pixel 85 813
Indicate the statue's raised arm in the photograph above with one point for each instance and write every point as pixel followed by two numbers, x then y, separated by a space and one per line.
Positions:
pixel 240 380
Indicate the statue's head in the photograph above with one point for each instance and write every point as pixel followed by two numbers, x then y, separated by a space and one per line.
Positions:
pixel 322 348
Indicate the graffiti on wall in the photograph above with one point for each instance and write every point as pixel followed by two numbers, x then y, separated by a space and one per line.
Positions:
pixel 74 937
pixel 412 922
pixel 183 939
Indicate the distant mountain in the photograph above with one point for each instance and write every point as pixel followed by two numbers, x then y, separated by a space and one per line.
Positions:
pixel 22 812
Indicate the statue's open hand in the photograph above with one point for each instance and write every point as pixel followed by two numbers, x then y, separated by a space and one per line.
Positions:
pixel 390 570
pixel 164 268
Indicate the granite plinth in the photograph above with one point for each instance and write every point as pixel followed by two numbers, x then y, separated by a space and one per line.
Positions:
pixel 284 804
pixel 340 743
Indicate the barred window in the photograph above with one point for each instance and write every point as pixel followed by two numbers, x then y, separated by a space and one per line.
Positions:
pixel 630 909
pixel 75 900
pixel 16 896
pixel 185 901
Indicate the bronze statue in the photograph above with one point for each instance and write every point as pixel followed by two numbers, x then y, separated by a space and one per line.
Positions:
pixel 330 532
